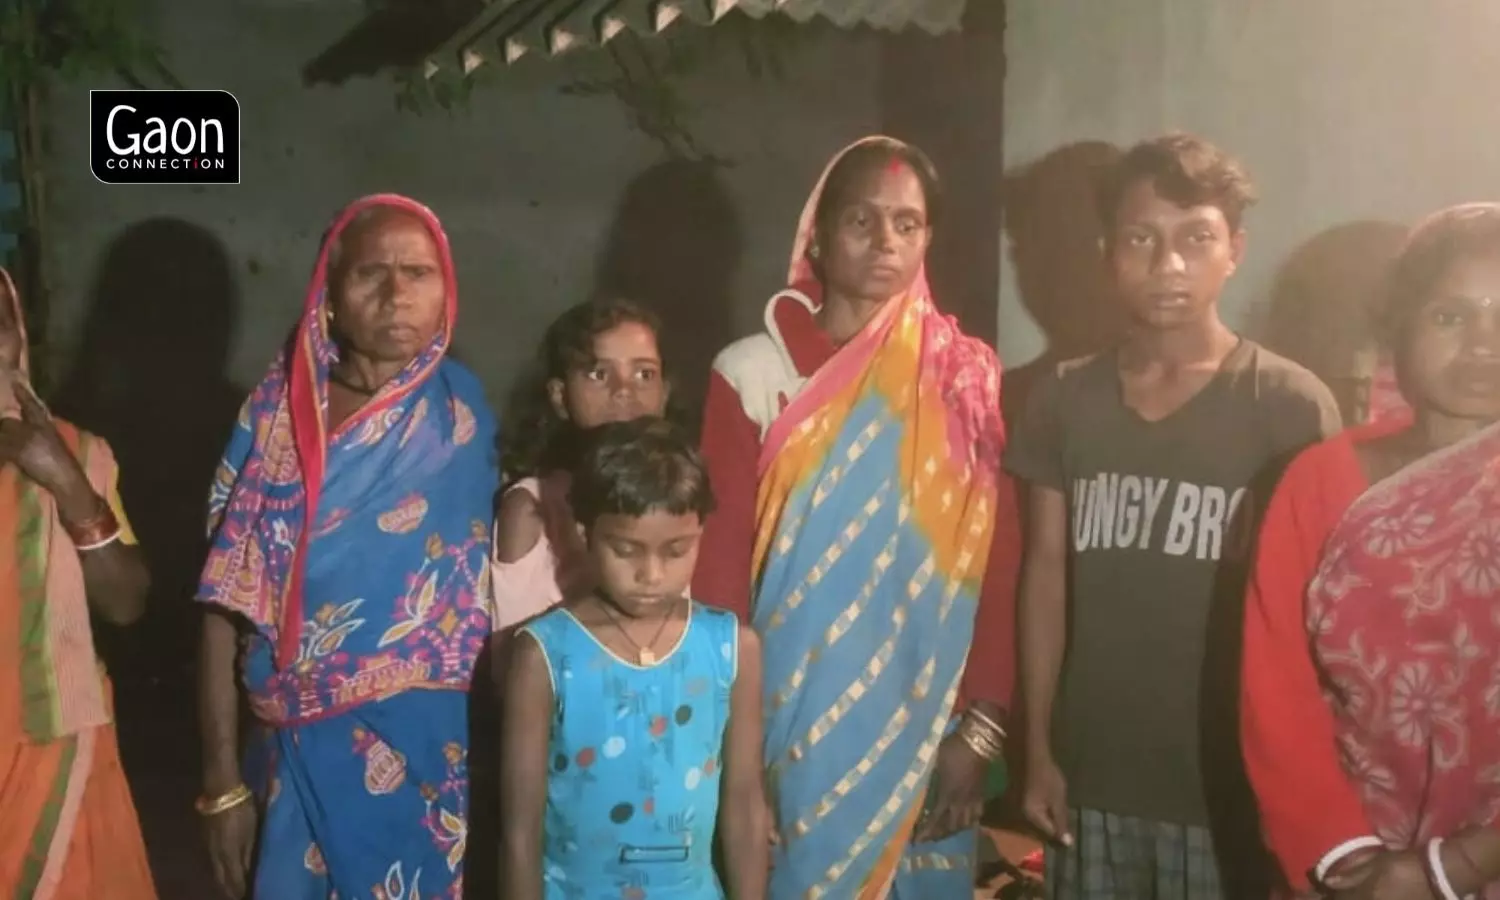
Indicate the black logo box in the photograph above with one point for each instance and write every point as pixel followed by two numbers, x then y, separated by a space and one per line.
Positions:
pixel 164 137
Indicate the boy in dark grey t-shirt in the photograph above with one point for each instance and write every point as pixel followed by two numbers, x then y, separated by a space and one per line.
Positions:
pixel 1146 467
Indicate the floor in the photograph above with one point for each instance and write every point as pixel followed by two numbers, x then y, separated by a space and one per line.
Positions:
pixel 1014 848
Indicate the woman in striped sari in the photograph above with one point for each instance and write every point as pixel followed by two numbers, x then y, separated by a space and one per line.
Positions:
pixel 68 828
pixel 864 526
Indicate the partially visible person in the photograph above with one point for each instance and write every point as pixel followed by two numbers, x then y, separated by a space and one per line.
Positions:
pixel 600 364
pixel 866 531
pixel 345 590
pixel 1371 672
pixel 1143 465
pixel 633 713
pixel 68 827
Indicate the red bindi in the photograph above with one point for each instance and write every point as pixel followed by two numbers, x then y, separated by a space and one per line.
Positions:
pixel 895 166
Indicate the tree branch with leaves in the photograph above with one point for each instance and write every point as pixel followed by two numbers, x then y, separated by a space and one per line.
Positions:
pixel 42 41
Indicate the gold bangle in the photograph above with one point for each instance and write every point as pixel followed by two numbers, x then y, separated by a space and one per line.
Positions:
pixel 993 741
pixel 986 720
pixel 992 733
pixel 212 806
pixel 981 743
pixel 977 745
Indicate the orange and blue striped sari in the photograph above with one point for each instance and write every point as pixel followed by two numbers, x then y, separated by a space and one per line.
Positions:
pixel 876 505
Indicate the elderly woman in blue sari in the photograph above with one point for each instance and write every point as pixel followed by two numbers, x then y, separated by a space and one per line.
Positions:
pixel 346 584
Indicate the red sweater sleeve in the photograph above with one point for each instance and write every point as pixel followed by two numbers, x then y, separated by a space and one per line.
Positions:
pixel 731 447
pixel 1308 805
pixel 991 672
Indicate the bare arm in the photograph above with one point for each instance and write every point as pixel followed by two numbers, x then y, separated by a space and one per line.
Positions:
pixel 744 821
pixel 1472 860
pixel 518 525
pixel 525 734
pixel 116 580
pixel 219 704
pixel 115 577
pixel 1042 612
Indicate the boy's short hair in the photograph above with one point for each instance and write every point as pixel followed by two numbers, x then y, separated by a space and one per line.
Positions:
pixel 1184 169
pixel 638 467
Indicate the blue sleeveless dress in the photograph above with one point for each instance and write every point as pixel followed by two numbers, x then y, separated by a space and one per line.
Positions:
pixel 633 788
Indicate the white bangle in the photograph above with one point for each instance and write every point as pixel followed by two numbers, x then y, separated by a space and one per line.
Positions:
pixel 1437 873
pixel 1343 851
pixel 104 543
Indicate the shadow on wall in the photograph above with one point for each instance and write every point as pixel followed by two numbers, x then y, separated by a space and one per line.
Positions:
pixel 1319 312
pixel 674 247
pixel 1053 232
pixel 945 93
pixel 149 377
pixel 396 34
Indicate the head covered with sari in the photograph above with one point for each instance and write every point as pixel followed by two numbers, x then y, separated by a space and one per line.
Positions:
pixel 356 551
pixel 876 506
pixel 1402 614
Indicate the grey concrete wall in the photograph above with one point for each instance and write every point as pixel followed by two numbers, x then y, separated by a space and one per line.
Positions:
pixel 1354 116
pixel 170 301
pixel 529 184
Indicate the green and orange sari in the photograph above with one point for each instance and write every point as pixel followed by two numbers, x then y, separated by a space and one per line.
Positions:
pixel 68 830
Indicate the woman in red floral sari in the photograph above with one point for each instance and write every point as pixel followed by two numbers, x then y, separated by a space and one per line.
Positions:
pixel 1371 704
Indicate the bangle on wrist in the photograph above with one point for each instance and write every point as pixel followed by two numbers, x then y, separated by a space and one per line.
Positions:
pixel 213 806
pixel 1437 876
pixel 99 545
pixel 99 530
pixel 981 739
pixel 984 719
pixel 1345 854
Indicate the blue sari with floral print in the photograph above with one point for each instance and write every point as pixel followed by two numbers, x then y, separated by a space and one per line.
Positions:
pixel 368 614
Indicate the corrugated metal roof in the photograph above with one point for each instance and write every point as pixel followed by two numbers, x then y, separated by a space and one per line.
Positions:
pixel 507 30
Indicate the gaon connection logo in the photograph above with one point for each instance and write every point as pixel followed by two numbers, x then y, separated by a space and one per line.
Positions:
pixel 164 137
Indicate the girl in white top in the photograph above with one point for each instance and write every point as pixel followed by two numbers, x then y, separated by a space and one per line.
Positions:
pixel 599 363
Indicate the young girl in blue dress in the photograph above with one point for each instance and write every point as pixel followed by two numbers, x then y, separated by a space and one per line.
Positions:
pixel 633 714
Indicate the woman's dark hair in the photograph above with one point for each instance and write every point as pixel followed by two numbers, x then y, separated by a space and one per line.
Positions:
pixel 1445 238
pixel 535 439
pixel 849 173
pixel 1183 168
pixel 633 468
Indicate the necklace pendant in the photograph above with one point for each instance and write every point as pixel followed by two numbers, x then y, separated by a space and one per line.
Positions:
pixel 646 656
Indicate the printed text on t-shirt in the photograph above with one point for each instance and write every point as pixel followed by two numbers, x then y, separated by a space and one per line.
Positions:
pixel 1134 512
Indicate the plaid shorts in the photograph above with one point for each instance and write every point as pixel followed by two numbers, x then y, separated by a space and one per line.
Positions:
pixel 1125 858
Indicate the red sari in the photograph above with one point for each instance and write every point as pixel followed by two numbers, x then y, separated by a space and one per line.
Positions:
pixel 1402 641
pixel 1405 620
